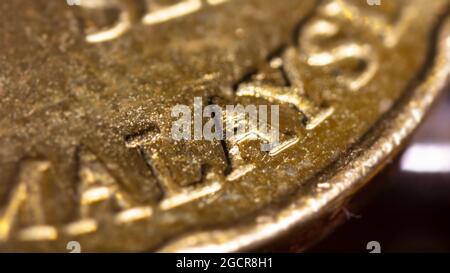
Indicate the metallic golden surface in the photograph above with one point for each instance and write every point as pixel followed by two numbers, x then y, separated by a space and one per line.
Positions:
pixel 85 116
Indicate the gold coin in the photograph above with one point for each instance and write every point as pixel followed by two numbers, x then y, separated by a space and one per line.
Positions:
pixel 88 90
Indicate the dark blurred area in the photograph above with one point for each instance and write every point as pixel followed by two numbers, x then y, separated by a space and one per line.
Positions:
pixel 411 211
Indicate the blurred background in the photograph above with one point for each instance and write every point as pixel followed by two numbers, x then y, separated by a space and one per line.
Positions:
pixel 410 212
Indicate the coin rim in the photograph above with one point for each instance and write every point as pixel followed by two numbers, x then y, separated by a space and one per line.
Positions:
pixel 393 133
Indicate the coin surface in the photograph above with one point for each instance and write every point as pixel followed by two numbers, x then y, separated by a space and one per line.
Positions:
pixel 87 90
